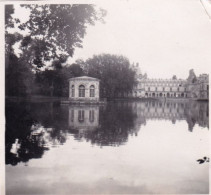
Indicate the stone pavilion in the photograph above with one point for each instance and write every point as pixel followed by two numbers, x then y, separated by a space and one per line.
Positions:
pixel 84 89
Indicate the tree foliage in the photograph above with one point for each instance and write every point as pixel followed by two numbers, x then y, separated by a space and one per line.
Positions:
pixel 55 82
pixel 51 33
pixel 174 77
pixel 115 72
pixel 18 78
pixel 56 30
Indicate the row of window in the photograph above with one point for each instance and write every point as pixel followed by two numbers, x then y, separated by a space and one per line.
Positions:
pixel 81 116
pixel 164 89
pixel 81 91
pixel 162 84
pixel 165 95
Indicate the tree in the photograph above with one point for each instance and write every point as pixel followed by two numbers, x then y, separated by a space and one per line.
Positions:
pixel 115 73
pixel 55 82
pixel 56 30
pixel 174 77
pixel 18 77
pixel 192 77
pixel 74 70
pixel 53 32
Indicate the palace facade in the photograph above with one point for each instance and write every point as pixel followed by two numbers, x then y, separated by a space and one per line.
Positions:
pixel 192 87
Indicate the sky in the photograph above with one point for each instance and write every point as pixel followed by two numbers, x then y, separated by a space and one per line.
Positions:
pixel 166 37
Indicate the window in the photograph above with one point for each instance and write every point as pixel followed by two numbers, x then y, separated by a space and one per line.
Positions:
pixel 81 91
pixel 170 89
pixel 73 91
pixel 72 115
pixel 163 88
pixel 81 116
pixel 148 88
pixel 91 116
pixel 92 91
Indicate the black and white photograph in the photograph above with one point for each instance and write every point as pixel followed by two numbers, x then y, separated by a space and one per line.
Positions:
pixel 105 97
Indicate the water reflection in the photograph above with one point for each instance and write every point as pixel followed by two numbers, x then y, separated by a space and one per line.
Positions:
pixel 193 112
pixel 33 128
pixel 83 118
pixel 110 125
pixel 29 130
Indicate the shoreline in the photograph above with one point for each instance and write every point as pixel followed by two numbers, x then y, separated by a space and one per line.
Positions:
pixel 37 98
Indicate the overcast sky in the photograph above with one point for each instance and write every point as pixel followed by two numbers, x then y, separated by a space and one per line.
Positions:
pixel 166 37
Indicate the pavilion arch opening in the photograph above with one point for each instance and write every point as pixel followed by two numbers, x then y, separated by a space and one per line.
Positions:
pixel 92 91
pixel 73 91
pixel 81 91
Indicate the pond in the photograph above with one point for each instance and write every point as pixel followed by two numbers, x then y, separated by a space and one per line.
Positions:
pixel 124 147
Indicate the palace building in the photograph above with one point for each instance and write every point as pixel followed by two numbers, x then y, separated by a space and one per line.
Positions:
pixel 160 88
pixel 193 87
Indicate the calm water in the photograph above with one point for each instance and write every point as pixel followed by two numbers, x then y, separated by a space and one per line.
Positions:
pixel 124 147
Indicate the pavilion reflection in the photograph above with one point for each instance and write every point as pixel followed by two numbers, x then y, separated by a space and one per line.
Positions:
pixel 83 118
pixel 102 125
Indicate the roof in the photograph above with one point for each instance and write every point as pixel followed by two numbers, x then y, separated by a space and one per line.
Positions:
pixel 84 78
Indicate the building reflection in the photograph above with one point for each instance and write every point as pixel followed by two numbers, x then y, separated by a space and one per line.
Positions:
pixel 83 117
pixel 192 111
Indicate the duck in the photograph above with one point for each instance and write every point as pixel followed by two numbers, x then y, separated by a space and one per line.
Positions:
pixel 200 161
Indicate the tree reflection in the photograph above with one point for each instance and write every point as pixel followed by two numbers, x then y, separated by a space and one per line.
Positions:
pixel 18 124
pixel 197 113
pixel 25 137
